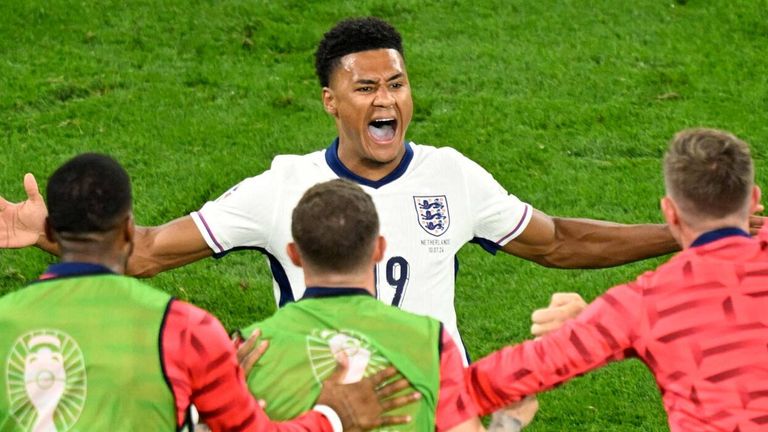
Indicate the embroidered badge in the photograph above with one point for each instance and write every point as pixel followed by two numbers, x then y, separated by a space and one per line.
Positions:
pixel 432 213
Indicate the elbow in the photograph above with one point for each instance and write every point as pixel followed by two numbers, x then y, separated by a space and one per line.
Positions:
pixel 142 270
pixel 549 262
pixel 142 263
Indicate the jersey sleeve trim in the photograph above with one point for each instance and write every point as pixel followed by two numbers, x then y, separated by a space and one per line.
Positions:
pixel 492 247
pixel 205 230
pixel 519 228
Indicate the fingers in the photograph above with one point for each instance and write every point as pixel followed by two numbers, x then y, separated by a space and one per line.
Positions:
pixel 756 224
pixel 394 420
pixel 539 330
pixel 562 299
pixel 244 347
pixel 30 187
pixel 383 376
pixel 560 313
pixel 547 314
pixel 249 353
pixel 562 307
pixel 392 388
pixel 400 401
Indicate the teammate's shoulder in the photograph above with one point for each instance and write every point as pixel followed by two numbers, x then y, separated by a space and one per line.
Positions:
pixel 669 273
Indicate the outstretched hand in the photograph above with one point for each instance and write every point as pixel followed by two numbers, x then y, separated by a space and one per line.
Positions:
pixel 361 406
pixel 562 307
pixel 22 224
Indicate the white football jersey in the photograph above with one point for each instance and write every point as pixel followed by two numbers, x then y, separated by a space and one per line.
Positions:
pixel 432 204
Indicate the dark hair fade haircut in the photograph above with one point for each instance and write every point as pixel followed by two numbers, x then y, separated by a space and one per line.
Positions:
pixel 335 225
pixel 350 36
pixel 89 193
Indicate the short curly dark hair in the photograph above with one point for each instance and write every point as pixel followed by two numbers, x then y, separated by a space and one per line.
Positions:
pixel 90 193
pixel 350 36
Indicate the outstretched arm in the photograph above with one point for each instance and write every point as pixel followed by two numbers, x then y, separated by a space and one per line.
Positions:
pixel 155 248
pixel 586 243
pixel 167 246
pixel 603 332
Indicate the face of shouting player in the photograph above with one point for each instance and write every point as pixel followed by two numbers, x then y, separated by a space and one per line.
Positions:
pixel 370 99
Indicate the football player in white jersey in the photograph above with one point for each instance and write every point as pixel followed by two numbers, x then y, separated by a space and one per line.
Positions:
pixel 431 200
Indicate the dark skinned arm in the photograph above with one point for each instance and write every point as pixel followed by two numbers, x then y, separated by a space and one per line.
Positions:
pixel 157 249
pixel 161 248
pixel 585 243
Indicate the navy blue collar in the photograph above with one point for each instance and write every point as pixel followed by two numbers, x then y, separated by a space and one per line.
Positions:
pixel 710 236
pixel 332 158
pixel 68 269
pixel 322 292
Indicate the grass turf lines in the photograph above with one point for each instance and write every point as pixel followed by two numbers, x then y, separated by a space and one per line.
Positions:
pixel 569 104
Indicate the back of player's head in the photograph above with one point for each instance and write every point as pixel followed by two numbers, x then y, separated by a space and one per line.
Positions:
pixel 709 173
pixel 89 193
pixel 351 36
pixel 335 226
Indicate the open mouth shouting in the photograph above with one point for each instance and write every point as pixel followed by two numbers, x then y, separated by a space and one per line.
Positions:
pixel 382 130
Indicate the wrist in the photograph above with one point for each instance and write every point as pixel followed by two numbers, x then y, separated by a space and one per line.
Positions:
pixel 330 415
pixel 505 422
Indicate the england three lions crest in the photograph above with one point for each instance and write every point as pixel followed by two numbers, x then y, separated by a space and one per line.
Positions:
pixel 432 212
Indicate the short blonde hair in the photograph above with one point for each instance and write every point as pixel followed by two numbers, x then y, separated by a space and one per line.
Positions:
pixel 709 173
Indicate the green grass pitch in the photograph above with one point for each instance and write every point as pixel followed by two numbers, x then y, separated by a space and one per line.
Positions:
pixel 568 103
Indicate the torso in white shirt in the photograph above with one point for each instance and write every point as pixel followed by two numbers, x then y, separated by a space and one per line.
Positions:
pixel 432 204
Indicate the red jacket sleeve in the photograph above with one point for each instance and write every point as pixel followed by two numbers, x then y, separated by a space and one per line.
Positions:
pixel 601 333
pixel 201 365
pixel 454 404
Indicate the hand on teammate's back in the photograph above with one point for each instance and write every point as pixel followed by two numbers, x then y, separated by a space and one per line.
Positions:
pixel 562 307
pixel 22 224
pixel 362 405
pixel 248 351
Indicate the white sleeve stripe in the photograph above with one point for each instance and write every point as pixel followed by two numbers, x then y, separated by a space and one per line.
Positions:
pixel 206 232
pixel 519 228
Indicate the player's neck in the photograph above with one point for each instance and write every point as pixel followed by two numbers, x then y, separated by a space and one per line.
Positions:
pixel 115 265
pixel 689 234
pixel 340 280
pixel 109 256
pixel 365 167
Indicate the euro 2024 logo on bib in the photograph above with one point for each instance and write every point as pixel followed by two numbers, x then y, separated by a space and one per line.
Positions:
pixel 46 381
pixel 323 346
pixel 432 212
